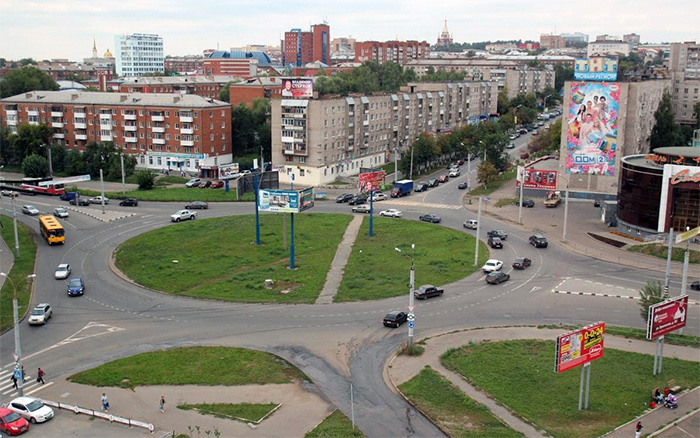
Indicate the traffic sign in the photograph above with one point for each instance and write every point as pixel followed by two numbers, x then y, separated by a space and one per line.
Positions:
pixel 687 235
pixel 410 309
pixel 410 324
pixel 411 317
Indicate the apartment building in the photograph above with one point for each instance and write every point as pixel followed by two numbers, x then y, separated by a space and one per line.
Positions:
pixel 299 47
pixel 684 64
pixel 165 131
pixel 205 86
pixel 400 52
pixel 319 140
pixel 138 54
pixel 185 65
pixel 608 47
pixel 549 41
pixel 235 63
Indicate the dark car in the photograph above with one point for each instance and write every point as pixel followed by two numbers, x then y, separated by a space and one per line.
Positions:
pixel 695 285
pixel 394 318
pixel 529 203
pixel 495 242
pixel 345 197
pixel 596 203
pixel 427 291
pixel 498 233
pixel 129 202
pixel 522 131
pixel 197 205
pixel 460 162
pixel 420 187
pixel 216 185
pixel 76 286
pixel 430 217
pixel 538 241
pixel 79 200
pixel 205 184
pixel 358 199
pixel 497 277
pixel 522 263
pixel 433 182
pixel 463 185
pixel 524 156
pixel 444 178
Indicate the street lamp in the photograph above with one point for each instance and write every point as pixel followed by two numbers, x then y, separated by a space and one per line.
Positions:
pixel 18 351
pixel 522 186
pixel 411 297
pixel 484 144
pixel 469 168
pixel 515 117
pixel 545 101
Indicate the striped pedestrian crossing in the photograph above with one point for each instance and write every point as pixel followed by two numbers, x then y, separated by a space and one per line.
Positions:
pixel 422 205
pixel 29 387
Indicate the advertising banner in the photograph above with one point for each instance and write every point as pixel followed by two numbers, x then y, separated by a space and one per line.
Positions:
pixel 539 179
pixel 591 140
pixel 370 181
pixel 579 347
pixel 303 88
pixel 227 171
pixel 595 69
pixel 667 317
pixel 286 201
pixel 307 199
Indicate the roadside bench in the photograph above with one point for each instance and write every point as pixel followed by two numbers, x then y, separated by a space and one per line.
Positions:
pixel 673 386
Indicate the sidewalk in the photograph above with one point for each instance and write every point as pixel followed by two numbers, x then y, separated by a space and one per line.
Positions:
pixel 402 368
pixel 337 269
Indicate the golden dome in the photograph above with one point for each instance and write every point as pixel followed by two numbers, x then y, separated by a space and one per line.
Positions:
pixel 108 54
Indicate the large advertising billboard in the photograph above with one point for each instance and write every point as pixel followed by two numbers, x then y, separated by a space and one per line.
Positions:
pixel 286 201
pixel 579 347
pixel 591 140
pixel 667 317
pixel 595 69
pixel 370 181
pixel 227 171
pixel 538 179
pixel 303 88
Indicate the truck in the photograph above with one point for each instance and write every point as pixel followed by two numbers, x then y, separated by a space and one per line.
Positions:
pixel 553 199
pixel 402 188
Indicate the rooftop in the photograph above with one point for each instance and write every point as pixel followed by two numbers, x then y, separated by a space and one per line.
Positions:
pixel 123 99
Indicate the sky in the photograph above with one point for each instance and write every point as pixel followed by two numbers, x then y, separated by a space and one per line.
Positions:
pixel 46 29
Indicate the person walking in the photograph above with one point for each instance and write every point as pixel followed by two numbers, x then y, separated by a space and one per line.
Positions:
pixel 105 402
pixel 638 430
pixel 40 375
pixel 162 404
pixel 14 381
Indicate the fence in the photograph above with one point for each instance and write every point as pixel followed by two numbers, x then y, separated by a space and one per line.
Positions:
pixel 99 414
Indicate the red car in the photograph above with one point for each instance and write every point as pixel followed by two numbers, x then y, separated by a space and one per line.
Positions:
pixel 12 423
pixel 460 162
pixel 217 185
pixel 444 178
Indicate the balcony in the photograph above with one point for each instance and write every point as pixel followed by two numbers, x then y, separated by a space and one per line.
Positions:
pixel 80 125
pixel 59 135
pixel 129 116
pixel 365 123
pixel 33 113
pixel 130 128
pixel 56 113
pixel 80 136
pixel 106 137
pixel 11 112
pixel 288 152
pixel 160 141
pixel 106 117
pixel 184 142
pixel 185 131
pixel 57 124
pixel 12 120
pixel 131 139
pixel 158 118
pixel 186 119
pixel 158 129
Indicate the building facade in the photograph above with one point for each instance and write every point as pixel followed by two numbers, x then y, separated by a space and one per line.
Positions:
pixel 138 54
pixel 255 88
pixel 205 86
pixel 445 37
pixel 400 52
pixel 608 47
pixel 299 47
pixel 185 65
pixel 549 41
pixel 320 140
pixel 575 37
pixel 235 63
pixel 684 64
pixel 177 132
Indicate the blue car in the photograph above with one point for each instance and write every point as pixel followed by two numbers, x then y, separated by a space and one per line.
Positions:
pixel 76 286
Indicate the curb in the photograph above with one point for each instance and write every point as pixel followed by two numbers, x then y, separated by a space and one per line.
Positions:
pixel 98 217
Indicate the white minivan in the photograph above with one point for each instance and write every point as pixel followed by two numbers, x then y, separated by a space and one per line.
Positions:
pixel 470 224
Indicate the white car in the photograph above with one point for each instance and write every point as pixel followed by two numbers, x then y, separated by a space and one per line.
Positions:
pixel 31 408
pixel 62 272
pixel 470 224
pixel 454 173
pixel 194 182
pixel 60 212
pixel 392 212
pixel 492 265
pixel 183 215
pixel 40 314
pixel 30 210
pixel 378 196
pixel 98 200
pixel 362 208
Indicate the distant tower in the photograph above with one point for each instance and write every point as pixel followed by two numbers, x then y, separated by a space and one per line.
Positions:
pixel 444 39
pixel 94 48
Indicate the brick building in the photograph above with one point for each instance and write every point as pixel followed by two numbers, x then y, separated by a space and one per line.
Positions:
pixel 235 63
pixel 255 88
pixel 188 132
pixel 549 41
pixel 205 86
pixel 684 64
pixel 400 52
pixel 185 65
pixel 299 47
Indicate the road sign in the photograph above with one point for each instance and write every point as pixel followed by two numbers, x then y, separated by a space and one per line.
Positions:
pixel 486 199
pixel 411 317
pixel 410 324
pixel 410 309
pixel 687 235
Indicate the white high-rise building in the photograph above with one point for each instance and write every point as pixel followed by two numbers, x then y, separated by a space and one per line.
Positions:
pixel 138 54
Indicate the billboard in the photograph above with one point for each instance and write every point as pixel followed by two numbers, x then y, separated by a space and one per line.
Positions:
pixel 579 347
pixel 591 140
pixel 595 69
pixel 667 316
pixel 227 171
pixel 370 181
pixel 303 88
pixel 286 201
pixel 538 179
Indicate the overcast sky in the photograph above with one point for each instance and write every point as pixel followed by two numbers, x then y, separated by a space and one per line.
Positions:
pixel 44 29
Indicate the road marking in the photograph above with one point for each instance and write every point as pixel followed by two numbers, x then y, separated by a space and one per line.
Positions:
pixel 423 205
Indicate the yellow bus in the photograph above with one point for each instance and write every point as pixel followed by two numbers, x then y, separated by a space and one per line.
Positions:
pixel 51 229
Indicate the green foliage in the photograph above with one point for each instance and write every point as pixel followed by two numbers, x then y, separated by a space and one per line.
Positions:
pixel 665 131
pixel 22 267
pixel 486 173
pixel 28 140
pixel 35 166
pixel 651 293
pixel 562 73
pixel 442 76
pixel 369 78
pixel 336 425
pixel 26 79
pixel 146 179
pixel 671 338
pixel 661 251
pixel 247 412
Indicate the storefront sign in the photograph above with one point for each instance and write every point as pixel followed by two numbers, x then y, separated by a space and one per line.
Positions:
pixel 685 176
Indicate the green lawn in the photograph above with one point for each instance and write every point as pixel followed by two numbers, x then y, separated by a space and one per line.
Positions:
pixel 209 366
pixel 336 425
pixel 520 375
pixel 376 270
pixel 22 267
pixel 671 338
pixel 661 251
pixel 495 185
pixel 246 412
pixel 177 194
pixel 216 258
pixel 447 405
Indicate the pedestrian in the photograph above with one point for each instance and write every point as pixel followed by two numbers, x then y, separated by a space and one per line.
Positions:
pixel 105 402
pixel 638 430
pixel 162 404
pixel 40 376
pixel 14 381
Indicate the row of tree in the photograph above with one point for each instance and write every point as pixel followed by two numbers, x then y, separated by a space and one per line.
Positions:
pixel 666 132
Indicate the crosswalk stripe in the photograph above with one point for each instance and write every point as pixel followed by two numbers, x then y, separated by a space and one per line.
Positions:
pixel 424 205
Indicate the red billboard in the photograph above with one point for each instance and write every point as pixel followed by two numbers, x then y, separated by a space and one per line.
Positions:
pixel 303 88
pixel 667 316
pixel 539 179
pixel 371 181
pixel 579 347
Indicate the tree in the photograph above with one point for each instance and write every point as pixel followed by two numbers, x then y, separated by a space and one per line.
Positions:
pixel 243 131
pixel 28 140
pixel 145 179
pixel 651 293
pixel 562 73
pixel 486 173
pixel 665 132
pixel 696 115
pixel 26 79
pixel 35 166
pixel 503 102
pixel 224 95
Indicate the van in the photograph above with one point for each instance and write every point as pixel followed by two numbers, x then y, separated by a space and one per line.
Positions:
pixel 470 224
pixel 69 196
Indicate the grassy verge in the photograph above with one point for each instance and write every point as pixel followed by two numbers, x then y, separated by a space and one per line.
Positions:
pixel 388 168
pixel 519 374
pixel 671 338
pixel 192 366
pixel 661 251
pixel 447 405
pixel 336 425
pixel 506 201
pixel 179 194
pixel 217 260
pixel 495 185
pixel 245 412
pixel 22 267
pixel 376 270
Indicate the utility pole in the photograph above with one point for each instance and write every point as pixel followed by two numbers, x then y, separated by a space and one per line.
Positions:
pixel 19 375
pixel 102 191
pixel 121 158
pixel 522 186
pixel 14 223
pixel 566 211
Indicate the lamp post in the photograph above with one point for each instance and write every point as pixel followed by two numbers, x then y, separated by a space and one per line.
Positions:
pixel 522 186
pixel 483 144
pixel 14 224
pixel 18 351
pixel 515 117
pixel 411 297
pixel 545 101
pixel 469 169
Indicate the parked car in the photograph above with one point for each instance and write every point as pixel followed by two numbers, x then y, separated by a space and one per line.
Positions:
pixel 470 224
pixel 463 185
pixel 460 162
pixel 129 202
pixel 420 187
pixel 205 184
pixel 98 200
pixel 430 217
pixel 596 203
pixel 495 242
pixel 538 241
pixel 529 203
pixel 183 215
pixel 197 205
pixel 522 263
pixel 524 156
pixel 79 200
pixel 10 193
pixel 62 272
pixel 498 233
pixel 512 136
pixel 30 210
pixel 454 173
pixel 497 277
pixel 522 131
pixel 60 212
pixel 194 182
pixel 695 285
pixel 362 208
pixel 395 319
pixel 392 212
pixel 427 291
pixel 216 185
pixel 76 286
pixel 433 182
pixel 359 199
pixel 443 178
pixel 378 196
pixel 40 314
pixel 12 423
pixel 492 265
pixel 31 408
pixel 510 145
pixel 345 197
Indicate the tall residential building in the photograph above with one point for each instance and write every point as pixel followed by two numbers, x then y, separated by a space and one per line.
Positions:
pixel 400 52
pixel 299 47
pixel 549 41
pixel 684 64
pixel 445 38
pixel 575 37
pixel 138 54
pixel 632 39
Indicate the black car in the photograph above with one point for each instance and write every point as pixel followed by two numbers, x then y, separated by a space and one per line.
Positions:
pixel 463 185
pixel 129 202
pixel 345 197
pixel 596 203
pixel 427 291
pixel 79 200
pixel 529 203
pixel 498 233
pixel 522 263
pixel 197 205
pixel 497 277
pixel 420 187
pixel 430 217
pixel 695 285
pixel 495 242
pixel 395 318
pixel 358 199
pixel 433 182
pixel 538 241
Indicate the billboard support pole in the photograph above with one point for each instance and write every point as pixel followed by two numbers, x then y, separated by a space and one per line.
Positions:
pixel 580 390
pixel 257 212
pixel 667 280
pixel 371 214
pixel 656 356
pixel 587 366
pixel 291 246
pixel 284 231
pixel 411 296
pixel 684 280
pixel 661 353
pixel 520 204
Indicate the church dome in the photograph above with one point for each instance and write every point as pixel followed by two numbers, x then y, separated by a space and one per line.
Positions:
pixel 108 54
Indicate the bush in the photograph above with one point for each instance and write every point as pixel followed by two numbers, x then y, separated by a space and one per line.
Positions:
pixel 146 179
pixel 35 166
